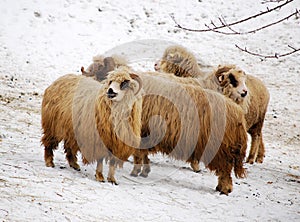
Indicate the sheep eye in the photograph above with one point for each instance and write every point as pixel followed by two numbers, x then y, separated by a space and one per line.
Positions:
pixel 124 84
pixel 232 80
pixel 109 82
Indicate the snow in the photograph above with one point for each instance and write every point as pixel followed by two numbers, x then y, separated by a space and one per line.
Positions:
pixel 40 41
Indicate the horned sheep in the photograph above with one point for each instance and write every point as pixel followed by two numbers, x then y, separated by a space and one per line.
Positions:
pixel 229 152
pixel 93 118
pixel 246 90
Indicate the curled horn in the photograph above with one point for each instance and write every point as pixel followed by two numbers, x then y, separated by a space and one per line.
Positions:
pixel 224 68
pixel 221 69
pixel 138 79
pixel 85 73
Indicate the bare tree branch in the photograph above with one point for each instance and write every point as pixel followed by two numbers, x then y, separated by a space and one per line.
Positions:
pixel 219 28
pixel 230 24
pixel 271 1
pixel 276 55
pixel 234 32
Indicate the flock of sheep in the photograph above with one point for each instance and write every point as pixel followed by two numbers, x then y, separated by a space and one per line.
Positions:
pixel 111 112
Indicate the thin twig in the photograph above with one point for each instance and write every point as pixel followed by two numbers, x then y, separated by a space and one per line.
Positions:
pixel 234 32
pixel 275 56
pixel 271 1
pixel 230 24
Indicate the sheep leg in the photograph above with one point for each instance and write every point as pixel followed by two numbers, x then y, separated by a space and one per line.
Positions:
pixel 146 166
pixel 99 176
pixel 137 162
pixel 255 140
pixel 223 170
pixel 50 145
pixel 195 166
pixel 261 151
pixel 71 155
pixel 111 172
pixel 224 182
pixel 257 147
pixel 253 149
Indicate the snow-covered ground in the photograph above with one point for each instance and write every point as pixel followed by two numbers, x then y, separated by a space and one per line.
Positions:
pixel 42 40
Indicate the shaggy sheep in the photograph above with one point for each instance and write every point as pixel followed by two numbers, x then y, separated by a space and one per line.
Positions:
pixel 102 121
pixel 179 61
pixel 102 65
pixel 191 124
pixel 246 90
pixel 254 100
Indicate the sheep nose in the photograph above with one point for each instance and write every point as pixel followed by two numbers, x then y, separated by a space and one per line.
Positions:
pixel 111 94
pixel 244 93
pixel 156 67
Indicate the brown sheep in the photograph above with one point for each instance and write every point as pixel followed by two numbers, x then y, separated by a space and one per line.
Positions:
pixel 93 118
pixel 229 148
pixel 191 124
pixel 101 66
pixel 246 90
pixel 255 104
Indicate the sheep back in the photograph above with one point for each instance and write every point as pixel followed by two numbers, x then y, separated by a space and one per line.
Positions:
pixel 259 98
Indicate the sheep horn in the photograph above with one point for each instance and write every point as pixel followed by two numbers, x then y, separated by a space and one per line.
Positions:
pixel 223 68
pixel 83 72
pixel 138 79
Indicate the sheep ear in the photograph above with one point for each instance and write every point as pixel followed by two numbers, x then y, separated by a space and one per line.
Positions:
pixel 83 72
pixel 225 68
pixel 221 70
pixel 221 78
pixel 138 79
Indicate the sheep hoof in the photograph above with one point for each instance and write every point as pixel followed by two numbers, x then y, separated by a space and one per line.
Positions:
pixel 112 181
pixel 77 169
pixel 197 171
pixel 224 193
pixel 144 174
pixel 50 164
pixel 250 159
pixel 223 190
pixel 99 177
pixel 75 166
pixel 259 160
pixel 133 174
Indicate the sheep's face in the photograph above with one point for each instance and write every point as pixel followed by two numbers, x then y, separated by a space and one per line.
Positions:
pixel 233 83
pixel 117 90
pixel 121 84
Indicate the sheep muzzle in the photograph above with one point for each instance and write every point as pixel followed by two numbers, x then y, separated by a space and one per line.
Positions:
pixel 244 94
pixel 111 94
